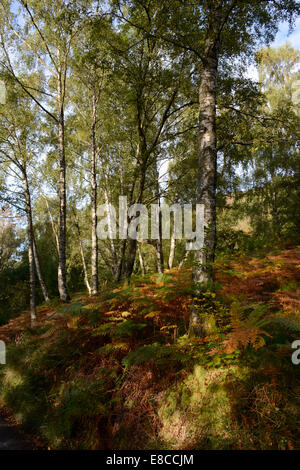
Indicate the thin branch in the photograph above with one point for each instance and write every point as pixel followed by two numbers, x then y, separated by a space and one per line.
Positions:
pixel 40 33
pixel 24 88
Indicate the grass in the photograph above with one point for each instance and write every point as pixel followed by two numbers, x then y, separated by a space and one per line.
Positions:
pixel 119 371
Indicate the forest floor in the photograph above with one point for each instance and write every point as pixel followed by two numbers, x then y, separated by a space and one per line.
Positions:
pixel 119 371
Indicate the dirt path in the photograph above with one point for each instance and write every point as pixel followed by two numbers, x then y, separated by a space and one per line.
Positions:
pixel 11 439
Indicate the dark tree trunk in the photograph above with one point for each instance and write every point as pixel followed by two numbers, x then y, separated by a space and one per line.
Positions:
pixel 132 245
pixel 141 155
pixel 118 273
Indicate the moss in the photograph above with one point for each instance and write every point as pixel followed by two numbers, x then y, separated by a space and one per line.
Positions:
pixel 198 411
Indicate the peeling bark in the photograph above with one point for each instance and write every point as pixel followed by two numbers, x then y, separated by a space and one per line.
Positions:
pixel 206 190
pixel 203 272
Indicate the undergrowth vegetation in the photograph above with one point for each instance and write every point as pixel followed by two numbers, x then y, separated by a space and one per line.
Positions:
pixel 121 371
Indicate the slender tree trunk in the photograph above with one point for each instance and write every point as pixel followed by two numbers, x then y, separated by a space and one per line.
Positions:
pixel 131 244
pixel 276 223
pixel 184 259
pixel 274 206
pixel 106 260
pixel 30 248
pixel 122 249
pixel 142 265
pixel 172 249
pixel 206 190
pixel 85 271
pixel 94 254
pixel 110 229
pixel 62 283
pixel 52 224
pixel 159 260
pixel 159 247
pixel 118 273
pixel 141 168
pixel 39 272
pixel 122 265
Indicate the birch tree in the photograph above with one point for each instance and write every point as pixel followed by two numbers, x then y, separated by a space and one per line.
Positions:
pixel 45 30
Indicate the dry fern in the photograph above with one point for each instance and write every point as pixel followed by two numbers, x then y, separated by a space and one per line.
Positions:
pixel 245 332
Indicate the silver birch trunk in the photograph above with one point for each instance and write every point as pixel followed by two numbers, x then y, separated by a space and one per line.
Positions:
pixel 52 223
pixel 30 248
pixel 62 283
pixel 142 265
pixel 39 272
pixel 158 246
pixel 85 271
pixel 206 190
pixel 94 253
pixel 184 259
pixel 172 249
pixel 203 273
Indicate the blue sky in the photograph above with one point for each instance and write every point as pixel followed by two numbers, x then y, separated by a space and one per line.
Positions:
pixel 283 36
